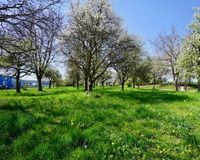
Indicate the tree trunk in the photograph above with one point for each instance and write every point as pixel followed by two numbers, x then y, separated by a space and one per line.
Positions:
pixel 91 83
pixel 39 79
pixel 90 87
pixel 50 84
pixel 102 84
pixel 133 82
pixel 94 84
pixel 176 83
pixel 185 86
pixel 175 78
pixel 123 85
pixel 160 81
pixel 86 83
pixel 18 82
pixel 190 81
pixel 114 83
pixel 74 83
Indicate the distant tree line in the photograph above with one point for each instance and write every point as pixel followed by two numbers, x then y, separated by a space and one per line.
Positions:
pixel 95 43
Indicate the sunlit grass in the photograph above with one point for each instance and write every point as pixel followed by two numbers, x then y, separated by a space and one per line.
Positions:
pixel 65 123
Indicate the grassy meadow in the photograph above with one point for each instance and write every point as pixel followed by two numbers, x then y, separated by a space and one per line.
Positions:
pixel 66 123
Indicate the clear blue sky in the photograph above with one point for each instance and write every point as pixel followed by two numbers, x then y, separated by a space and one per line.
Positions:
pixel 148 17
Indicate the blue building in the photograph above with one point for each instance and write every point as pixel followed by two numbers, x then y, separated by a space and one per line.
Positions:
pixel 7 82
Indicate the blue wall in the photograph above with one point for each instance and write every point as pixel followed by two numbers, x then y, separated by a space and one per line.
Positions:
pixel 6 81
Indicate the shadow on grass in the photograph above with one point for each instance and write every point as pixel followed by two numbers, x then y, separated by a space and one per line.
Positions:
pixel 12 108
pixel 146 96
pixel 14 122
pixel 46 92
pixel 49 92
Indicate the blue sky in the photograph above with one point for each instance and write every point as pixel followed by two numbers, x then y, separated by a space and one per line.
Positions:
pixel 147 18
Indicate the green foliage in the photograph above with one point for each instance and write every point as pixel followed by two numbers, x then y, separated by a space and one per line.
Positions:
pixel 53 76
pixel 65 123
pixel 189 60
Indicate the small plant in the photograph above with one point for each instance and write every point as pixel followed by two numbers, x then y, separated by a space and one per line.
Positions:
pixel 25 87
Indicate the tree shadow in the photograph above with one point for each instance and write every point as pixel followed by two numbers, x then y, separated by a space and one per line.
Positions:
pixel 47 92
pixel 12 108
pixel 147 96
pixel 15 120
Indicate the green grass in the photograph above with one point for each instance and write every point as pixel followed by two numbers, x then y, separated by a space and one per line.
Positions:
pixel 168 87
pixel 65 123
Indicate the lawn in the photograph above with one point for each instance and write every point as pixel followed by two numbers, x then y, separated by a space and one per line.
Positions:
pixel 65 123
